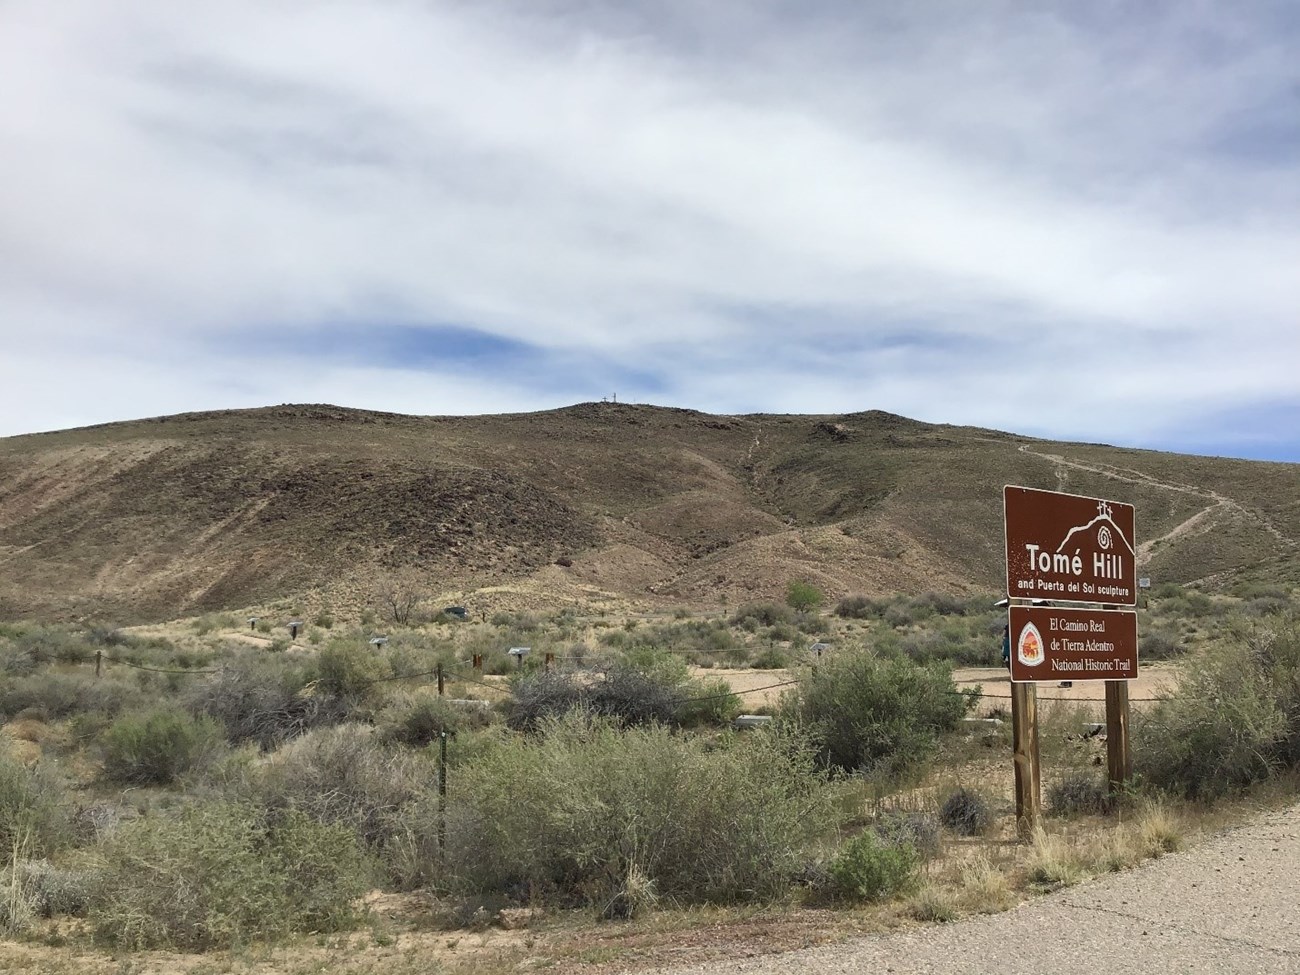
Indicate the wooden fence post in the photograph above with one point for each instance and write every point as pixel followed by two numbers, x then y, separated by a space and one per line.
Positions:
pixel 442 794
pixel 1119 757
pixel 1024 743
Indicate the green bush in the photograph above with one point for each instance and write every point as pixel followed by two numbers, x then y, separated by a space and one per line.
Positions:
pixel 349 671
pixel 874 714
pixel 761 614
pixel 1159 645
pixel 803 596
pixel 55 695
pixel 53 643
pixel 34 812
pixel 583 808
pixel 1274 650
pixel 869 868
pixel 782 633
pixel 1218 733
pixel 155 748
pixel 707 701
pixel 771 658
pixel 223 873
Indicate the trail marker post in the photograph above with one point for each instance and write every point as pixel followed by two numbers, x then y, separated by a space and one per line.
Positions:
pixel 1066 548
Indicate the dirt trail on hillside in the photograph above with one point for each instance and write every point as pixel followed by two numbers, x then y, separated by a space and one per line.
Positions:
pixel 1230 905
pixel 1200 520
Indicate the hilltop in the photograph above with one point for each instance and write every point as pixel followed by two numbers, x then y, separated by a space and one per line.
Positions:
pixel 594 505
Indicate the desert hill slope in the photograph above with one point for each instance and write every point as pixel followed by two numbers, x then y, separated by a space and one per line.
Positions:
pixel 590 504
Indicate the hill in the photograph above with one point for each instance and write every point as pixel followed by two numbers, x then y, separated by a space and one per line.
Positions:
pixel 599 504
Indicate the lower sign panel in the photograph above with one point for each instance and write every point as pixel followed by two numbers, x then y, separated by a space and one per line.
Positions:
pixel 1072 644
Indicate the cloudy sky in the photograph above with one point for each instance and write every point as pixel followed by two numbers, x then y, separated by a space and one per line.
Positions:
pixel 1073 220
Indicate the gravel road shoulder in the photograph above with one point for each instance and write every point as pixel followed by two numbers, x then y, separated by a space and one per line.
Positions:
pixel 1230 905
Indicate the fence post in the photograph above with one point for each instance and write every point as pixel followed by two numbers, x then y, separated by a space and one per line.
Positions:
pixel 99 661
pixel 1119 757
pixel 1024 743
pixel 440 684
pixel 442 794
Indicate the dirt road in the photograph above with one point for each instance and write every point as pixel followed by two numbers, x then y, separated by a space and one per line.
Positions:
pixel 1230 905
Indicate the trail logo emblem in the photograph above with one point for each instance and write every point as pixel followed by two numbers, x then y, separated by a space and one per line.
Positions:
pixel 1029 646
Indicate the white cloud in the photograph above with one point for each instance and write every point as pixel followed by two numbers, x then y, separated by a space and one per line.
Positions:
pixel 1113 203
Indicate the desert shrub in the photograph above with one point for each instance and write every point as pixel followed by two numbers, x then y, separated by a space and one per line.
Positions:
pixel 573 812
pixel 56 695
pixel 810 624
pixel 499 664
pixel 952 644
pixel 900 614
pixel 1259 590
pixel 1187 604
pixel 1274 651
pixel 539 695
pixel 782 633
pixel 915 828
pixel 417 719
pixel 49 643
pixel 709 701
pixel 15 661
pixel 762 614
pixel 1078 794
pixel 34 813
pixel 868 713
pixel 869 868
pixel 55 891
pixel 349 671
pixel 646 686
pixel 222 873
pixel 857 608
pixel 266 701
pixel 155 748
pixel 945 604
pixel 324 620
pixel 1218 733
pixel 965 812
pixel 1159 645
pixel 925 647
pixel 771 658
pixel 343 775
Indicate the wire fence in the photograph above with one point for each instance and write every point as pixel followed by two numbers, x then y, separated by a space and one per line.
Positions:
pixel 449 674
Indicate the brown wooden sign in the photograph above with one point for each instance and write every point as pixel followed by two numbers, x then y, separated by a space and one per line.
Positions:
pixel 1068 548
pixel 1051 643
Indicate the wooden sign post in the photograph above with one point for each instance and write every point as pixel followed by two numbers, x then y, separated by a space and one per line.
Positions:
pixel 1119 757
pixel 1024 746
pixel 1064 548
